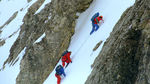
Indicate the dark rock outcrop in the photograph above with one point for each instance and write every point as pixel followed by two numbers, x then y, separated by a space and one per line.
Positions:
pixel 2 42
pixel 57 21
pixel 125 56
pixel 97 45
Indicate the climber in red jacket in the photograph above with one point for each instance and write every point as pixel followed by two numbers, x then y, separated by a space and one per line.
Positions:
pixel 66 58
pixel 95 22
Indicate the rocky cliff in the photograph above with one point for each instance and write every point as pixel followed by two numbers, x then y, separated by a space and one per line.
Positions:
pixel 125 56
pixel 57 21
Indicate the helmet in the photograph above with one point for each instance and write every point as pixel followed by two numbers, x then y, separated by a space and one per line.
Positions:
pixel 101 16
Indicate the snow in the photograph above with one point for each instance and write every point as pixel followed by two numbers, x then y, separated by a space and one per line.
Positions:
pixel 40 38
pixel 9 74
pixel 8 7
pixel 81 45
pixel 42 6
pixel 6 47
pixel 12 28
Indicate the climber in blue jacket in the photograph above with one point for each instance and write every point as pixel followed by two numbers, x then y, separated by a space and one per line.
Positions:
pixel 59 71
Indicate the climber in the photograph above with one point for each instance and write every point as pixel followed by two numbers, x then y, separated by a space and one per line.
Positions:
pixel 66 58
pixel 59 73
pixel 96 21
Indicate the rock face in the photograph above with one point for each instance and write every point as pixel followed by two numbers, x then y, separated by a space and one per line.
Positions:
pixel 57 21
pixel 125 56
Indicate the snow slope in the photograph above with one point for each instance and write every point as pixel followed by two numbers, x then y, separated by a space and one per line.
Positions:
pixel 82 43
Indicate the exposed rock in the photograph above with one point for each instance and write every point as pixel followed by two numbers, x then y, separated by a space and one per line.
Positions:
pixel 30 31
pixel 2 42
pixel 125 56
pixel 29 0
pixel 97 45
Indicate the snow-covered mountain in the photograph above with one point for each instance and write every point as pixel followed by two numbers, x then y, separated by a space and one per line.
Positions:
pixel 34 33
pixel 82 43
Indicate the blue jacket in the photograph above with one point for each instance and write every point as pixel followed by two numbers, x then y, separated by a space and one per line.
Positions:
pixel 60 71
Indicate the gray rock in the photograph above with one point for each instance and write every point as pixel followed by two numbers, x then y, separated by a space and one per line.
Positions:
pixel 125 56
pixel 2 42
pixel 97 45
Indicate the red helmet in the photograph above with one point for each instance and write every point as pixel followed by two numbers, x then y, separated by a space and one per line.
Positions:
pixel 101 16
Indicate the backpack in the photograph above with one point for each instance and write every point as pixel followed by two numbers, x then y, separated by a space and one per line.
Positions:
pixel 58 69
pixel 94 16
pixel 65 52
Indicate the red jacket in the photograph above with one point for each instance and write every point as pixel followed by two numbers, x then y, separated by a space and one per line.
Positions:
pixel 97 19
pixel 66 58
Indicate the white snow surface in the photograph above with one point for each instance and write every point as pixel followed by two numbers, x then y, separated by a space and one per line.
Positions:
pixel 9 75
pixel 8 7
pixel 42 6
pixel 82 43
pixel 40 38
